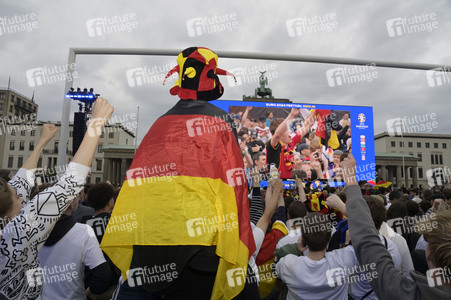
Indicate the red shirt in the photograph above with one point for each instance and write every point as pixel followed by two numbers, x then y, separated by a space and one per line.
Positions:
pixel 283 155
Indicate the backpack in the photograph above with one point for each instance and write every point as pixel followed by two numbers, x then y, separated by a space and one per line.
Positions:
pixel 338 239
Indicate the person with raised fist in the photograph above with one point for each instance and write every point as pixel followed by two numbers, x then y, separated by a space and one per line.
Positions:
pixel 30 221
pixel 369 250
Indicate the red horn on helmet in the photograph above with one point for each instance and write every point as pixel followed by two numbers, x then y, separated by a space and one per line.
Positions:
pixel 220 71
pixel 172 71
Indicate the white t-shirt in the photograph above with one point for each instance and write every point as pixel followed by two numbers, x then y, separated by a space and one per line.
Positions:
pixel 291 238
pixel 308 279
pixel 421 244
pixel 416 199
pixel 401 244
pixel 260 131
pixel 63 263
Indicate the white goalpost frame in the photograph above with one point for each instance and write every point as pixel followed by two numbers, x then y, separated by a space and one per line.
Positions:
pixel 73 52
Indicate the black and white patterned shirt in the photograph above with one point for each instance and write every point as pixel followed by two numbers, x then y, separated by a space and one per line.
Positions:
pixel 24 235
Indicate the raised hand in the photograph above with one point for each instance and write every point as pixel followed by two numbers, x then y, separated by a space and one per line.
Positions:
pixel 277 185
pixel 348 166
pixel 333 201
pixel 102 109
pixel 101 114
pixel 294 113
pixel 48 131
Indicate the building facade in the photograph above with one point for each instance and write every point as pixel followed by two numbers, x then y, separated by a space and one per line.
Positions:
pixel 20 142
pixel 426 158
pixel 14 108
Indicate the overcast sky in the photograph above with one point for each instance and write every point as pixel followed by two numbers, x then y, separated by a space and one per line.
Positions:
pixel 36 37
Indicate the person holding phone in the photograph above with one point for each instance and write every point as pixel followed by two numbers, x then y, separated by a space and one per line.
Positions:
pixel 317 164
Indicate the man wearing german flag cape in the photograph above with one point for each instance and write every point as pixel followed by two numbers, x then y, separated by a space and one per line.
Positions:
pixel 186 191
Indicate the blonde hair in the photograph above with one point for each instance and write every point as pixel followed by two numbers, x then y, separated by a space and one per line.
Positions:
pixel 442 206
pixel 379 197
pixel 314 144
pixel 312 135
pixel 436 230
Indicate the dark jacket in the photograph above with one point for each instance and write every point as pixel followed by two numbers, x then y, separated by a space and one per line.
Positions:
pixel 83 211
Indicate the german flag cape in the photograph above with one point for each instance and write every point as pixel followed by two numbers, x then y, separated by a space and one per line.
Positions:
pixel 186 186
pixel 265 258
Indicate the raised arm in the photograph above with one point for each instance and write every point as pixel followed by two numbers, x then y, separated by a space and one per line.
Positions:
pixel 38 217
pixel 100 116
pixel 245 115
pixel 283 127
pixel 23 181
pixel 271 205
pixel 256 207
pixel 334 201
pixel 301 190
pixel 246 155
pixel 367 245
pixel 47 133
pixel 316 165
pixel 308 123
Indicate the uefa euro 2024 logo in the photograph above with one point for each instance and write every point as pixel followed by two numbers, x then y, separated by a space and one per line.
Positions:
pixel 361 117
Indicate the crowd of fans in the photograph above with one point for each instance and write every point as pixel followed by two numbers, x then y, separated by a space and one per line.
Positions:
pixel 311 141
pixel 396 214
pixel 384 243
